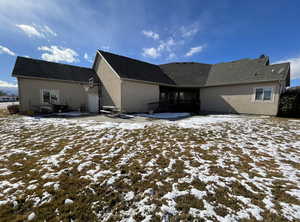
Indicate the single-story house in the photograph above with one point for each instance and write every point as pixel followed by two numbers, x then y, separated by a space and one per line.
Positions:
pixel 250 86
pixel 8 98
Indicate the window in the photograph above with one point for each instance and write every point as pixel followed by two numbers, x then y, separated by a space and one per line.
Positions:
pixel 263 94
pixel 46 96
pixel 50 96
pixel 267 94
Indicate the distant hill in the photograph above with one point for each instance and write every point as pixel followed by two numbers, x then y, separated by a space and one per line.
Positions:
pixel 9 90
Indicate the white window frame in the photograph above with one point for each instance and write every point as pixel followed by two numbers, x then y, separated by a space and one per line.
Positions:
pixel 52 92
pixel 264 88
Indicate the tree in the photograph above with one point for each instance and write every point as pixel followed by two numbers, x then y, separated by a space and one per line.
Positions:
pixel 2 93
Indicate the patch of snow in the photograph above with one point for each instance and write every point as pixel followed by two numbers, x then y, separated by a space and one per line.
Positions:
pixel 31 216
pixel 129 196
pixel 111 180
pixel 32 187
pixel 17 164
pixel 295 193
pixel 56 186
pixel 195 122
pixel 83 165
pixel 68 201
pixel 269 204
pixel 3 202
pixel 198 193
pixel 290 211
pixel 168 210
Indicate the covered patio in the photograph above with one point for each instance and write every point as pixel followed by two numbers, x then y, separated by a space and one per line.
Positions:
pixel 174 99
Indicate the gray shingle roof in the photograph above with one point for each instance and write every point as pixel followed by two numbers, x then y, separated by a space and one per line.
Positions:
pixel 187 73
pixel 29 67
pixel 180 74
pixel 135 69
pixel 198 74
pixel 240 71
pixel 235 72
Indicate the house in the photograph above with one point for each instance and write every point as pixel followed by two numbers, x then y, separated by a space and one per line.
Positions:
pixel 42 83
pixel 250 86
pixel 8 98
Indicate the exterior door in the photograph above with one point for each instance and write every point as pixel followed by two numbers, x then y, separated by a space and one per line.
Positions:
pixel 93 101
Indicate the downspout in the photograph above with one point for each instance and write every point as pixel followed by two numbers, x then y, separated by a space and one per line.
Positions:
pixel 279 97
pixel 99 97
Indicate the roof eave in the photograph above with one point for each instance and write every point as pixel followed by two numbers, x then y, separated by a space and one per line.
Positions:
pixel 51 79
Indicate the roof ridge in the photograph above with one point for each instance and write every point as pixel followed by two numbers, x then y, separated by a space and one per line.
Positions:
pixel 127 57
pixel 282 63
pixel 185 63
pixel 233 61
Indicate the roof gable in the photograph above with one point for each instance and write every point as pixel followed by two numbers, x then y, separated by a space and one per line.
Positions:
pixel 129 68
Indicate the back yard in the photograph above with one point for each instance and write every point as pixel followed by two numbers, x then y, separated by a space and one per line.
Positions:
pixel 213 168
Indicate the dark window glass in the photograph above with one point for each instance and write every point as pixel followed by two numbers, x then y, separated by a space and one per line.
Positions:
pixel 267 94
pixel 46 96
pixel 259 94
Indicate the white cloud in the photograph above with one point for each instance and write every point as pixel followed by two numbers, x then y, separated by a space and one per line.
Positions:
pixel 295 66
pixel 30 31
pixel 37 31
pixel 164 46
pixel 6 51
pixel 58 54
pixel 151 52
pixel 194 50
pixel 151 34
pixel 87 58
pixel 47 30
pixel 189 31
pixel 4 84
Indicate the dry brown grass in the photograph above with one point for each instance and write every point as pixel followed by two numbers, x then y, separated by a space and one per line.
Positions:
pixel 94 199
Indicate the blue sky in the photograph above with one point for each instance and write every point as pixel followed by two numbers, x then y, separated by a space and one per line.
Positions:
pixel 70 31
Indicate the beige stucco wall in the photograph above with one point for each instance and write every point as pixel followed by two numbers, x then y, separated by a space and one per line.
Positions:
pixel 238 99
pixel 110 83
pixel 71 94
pixel 137 95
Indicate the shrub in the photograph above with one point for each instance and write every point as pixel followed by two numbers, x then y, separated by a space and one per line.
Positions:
pixel 13 109
pixel 289 105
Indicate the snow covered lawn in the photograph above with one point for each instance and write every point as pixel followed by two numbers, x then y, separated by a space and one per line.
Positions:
pixel 214 168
